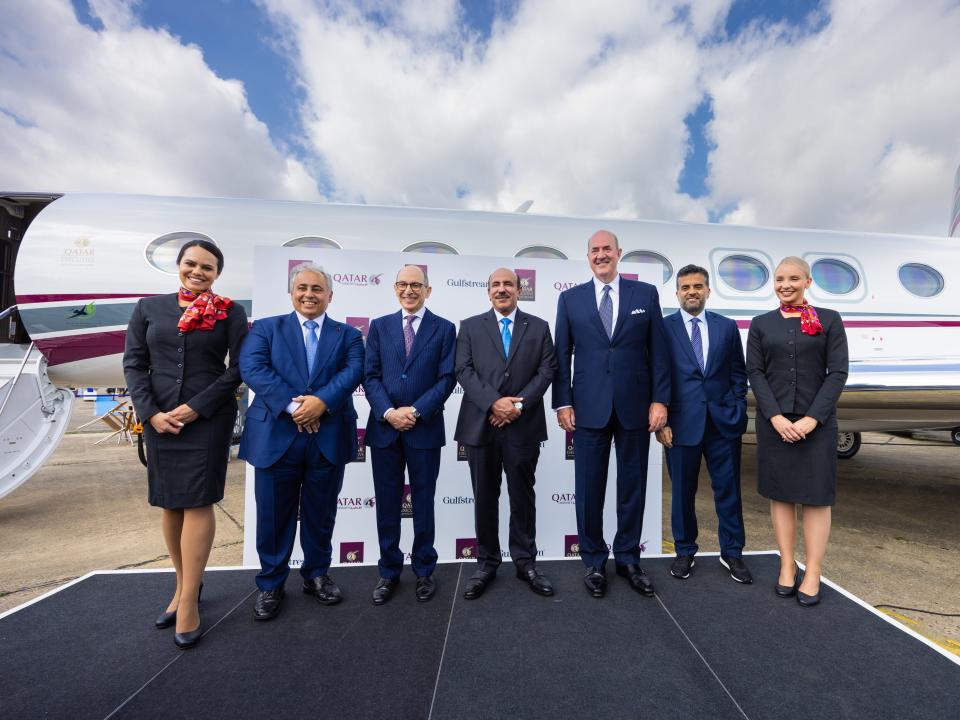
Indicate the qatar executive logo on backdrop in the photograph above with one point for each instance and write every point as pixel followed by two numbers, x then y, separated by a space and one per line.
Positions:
pixel 361 447
pixel 528 284
pixel 568 446
pixel 406 505
pixel 466 548
pixel 351 552
pixel 571 546
pixel 360 323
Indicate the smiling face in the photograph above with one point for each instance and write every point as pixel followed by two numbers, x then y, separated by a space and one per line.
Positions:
pixel 603 254
pixel 411 288
pixel 310 294
pixel 198 269
pixel 503 289
pixel 790 281
pixel 692 292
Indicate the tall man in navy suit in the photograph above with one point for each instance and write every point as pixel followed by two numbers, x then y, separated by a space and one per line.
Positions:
pixel 299 433
pixel 409 374
pixel 708 416
pixel 611 330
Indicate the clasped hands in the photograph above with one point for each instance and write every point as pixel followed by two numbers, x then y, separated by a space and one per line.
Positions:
pixel 503 412
pixel 172 422
pixel 793 431
pixel 307 416
pixel 401 419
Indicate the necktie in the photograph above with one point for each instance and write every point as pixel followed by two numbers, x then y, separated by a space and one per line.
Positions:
pixel 408 335
pixel 606 311
pixel 505 336
pixel 311 342
pixel 697 341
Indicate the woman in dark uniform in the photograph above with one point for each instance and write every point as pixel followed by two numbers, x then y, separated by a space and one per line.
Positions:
pixel 183 392
pixel 797 365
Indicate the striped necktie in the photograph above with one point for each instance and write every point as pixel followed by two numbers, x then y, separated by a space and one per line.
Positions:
pixel 697 341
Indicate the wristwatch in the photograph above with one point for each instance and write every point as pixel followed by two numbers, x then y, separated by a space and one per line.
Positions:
pixel 518 405
pixel 416 413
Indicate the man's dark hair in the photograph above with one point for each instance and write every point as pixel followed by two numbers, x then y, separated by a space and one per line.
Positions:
pixel 692 270
pixel 203 245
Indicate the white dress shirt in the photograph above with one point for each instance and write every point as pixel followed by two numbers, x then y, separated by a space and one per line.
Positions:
pixel 704 332
pixel 614 297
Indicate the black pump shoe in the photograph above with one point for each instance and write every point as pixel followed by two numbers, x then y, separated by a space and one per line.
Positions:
pixel 187 640
pixel 786 591
pixel 168 618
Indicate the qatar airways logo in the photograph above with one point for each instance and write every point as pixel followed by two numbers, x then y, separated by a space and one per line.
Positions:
pixel 564 498
pixel 528 284
pixel 361 455
pixel 81 253
pixel 360 323
pixel 568 446
pixel 357 278
pixel 466 549
pixel 560 286
pixel 351 552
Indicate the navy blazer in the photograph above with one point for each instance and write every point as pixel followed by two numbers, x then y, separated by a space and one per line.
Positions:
pixel 273 363
pixel 626 372
pixel 720 391
pixel 423 380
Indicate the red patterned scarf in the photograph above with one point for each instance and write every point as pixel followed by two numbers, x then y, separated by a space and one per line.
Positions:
pixel 204 311
pixel 809 322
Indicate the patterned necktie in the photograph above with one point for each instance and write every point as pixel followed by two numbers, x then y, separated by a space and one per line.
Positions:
pixel 697 342
pixel 408 335
pixel 311 326
pixel 505 336
pixel 606 311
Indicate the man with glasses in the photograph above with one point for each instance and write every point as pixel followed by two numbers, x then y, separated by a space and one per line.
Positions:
pixel 409 374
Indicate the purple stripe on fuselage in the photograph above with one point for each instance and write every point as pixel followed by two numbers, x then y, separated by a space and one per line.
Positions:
pixel 76 297
pixel 71 348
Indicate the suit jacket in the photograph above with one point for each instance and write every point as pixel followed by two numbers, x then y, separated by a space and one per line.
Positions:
pixel 165 368
pixel 273 362
pixel 624 373
pixel 486 375
pixel 720 391
pixel 791 372
pixel 423 380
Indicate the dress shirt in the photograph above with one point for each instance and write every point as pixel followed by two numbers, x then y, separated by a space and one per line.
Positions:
pixel 513 320
pixel 614 297
pixel 704 333
pixel 292 407
pixel 416 323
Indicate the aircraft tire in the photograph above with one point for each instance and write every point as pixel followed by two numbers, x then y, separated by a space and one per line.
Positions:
pixel 848 444
pixel 955 435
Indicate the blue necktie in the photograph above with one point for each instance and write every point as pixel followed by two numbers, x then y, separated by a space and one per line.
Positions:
pixel 697 342
pixel 312 342
pixel 606 311
pixel 505 335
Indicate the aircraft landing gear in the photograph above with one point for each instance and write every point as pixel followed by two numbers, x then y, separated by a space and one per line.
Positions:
pixel 955 435
pixel 848 444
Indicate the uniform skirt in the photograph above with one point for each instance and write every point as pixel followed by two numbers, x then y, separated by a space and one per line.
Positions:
pixel 803 472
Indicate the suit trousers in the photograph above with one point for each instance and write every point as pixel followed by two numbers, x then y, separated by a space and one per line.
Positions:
pixel 723 462
pixel 487 465
pixel 591 447
pixel 423 466
pixel 302 478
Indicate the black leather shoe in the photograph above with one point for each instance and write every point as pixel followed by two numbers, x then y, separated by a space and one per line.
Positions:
pixel 267 604
pixel 596 581
pixel 681 566
pixel 786 591
pixel 166 619
pixel 477 583
pixel 187 640
pixel 384 590
pixel 637 578
pixel 808 600
pixel 536 580
pixel 738 571
pixel 426 587
pixel 325 590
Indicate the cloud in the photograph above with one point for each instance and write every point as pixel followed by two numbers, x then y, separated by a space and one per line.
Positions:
pixel 126 108
pixel 854 127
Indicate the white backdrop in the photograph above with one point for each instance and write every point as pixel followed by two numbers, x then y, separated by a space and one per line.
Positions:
pixel 363 290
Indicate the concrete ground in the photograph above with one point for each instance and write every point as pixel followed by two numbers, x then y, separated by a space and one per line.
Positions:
pixel 895 541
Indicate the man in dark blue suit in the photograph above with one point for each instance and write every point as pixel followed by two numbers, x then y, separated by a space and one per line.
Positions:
pixel 708 416
pixel 619 391
pixel 299 433
pixel 409 374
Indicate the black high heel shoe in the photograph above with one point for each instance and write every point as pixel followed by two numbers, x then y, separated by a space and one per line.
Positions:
pixel 187 640
pixel 786 591
pixel 168 618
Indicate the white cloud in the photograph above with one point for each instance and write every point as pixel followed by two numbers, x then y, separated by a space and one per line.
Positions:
pixel 126 109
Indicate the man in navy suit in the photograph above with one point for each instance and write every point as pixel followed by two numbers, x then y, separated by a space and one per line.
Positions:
pixel 611 330
pixel 708 416
pixel 409 374
pixel 299 433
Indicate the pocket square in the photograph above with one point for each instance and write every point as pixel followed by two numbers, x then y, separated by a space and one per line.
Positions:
pixel 637 311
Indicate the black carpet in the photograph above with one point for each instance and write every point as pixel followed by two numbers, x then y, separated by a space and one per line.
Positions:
pixel 703 648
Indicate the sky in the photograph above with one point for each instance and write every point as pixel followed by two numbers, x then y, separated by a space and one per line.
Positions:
pixel 839 114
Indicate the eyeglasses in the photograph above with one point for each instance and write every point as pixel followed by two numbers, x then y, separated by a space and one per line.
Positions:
pixel 402 286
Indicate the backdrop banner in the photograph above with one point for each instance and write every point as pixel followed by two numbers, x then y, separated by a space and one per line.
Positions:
pixel 363 290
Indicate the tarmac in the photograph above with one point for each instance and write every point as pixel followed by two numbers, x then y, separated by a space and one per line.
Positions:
pixel 895 541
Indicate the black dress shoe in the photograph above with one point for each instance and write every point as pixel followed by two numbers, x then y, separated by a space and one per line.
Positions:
pixel 478 583
pixel 681 566
pixel 384 590
pixel 187 640
pixel 637 578
pixel 786 591
pixel 325 590
pixel 426 587
pixel 808 600
pixel 267 604
pixel 738 570
pixel 168 618
pixel 536 580
pixel 596 581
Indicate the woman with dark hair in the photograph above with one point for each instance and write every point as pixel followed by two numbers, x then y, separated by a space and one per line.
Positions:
pixel 797 366
pixel 184 393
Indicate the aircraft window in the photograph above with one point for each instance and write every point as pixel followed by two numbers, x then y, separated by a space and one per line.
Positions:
pixel 541 251
pixel 920 279
pixel 312 241
pixel 162 252
pixel 744 273
pixel 650 258
pixel 435 248
pixel 835 276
